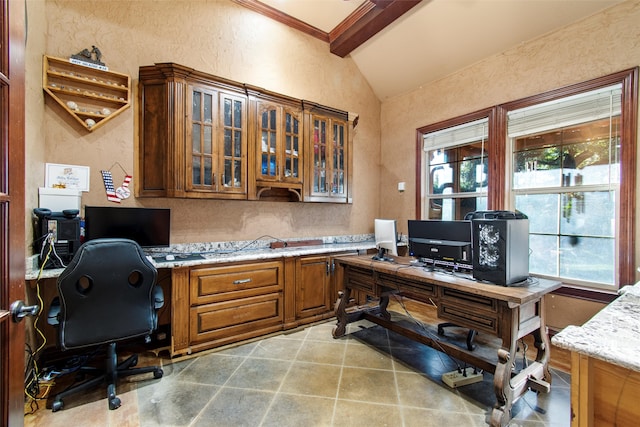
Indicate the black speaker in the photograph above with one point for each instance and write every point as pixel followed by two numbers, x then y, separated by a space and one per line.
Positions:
pixel 500 247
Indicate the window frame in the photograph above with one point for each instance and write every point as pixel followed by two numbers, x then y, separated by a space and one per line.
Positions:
pixel 499 187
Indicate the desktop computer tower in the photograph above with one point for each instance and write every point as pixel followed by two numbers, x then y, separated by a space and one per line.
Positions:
pixel 500 247
pixel 57 237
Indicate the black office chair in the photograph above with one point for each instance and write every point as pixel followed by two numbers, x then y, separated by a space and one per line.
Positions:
pixel 107 294
pixel 471 334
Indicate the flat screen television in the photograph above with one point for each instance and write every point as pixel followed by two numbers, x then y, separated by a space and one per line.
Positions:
pixel 386 239
pixel 150 227
pixel 444 243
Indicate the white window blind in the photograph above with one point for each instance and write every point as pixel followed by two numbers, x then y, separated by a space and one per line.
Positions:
pixel 457 135
pixel 569 111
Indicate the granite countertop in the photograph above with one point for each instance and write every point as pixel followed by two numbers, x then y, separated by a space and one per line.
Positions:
pixel 232 251
pixel 612 335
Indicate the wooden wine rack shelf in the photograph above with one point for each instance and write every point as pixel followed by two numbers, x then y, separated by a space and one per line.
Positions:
pixel 91 96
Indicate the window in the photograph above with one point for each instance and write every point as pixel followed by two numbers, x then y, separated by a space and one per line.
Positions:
pixel 455 170
pixel 571 168
pixel 566 178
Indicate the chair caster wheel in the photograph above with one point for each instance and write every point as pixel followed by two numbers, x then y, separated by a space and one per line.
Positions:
pixel 114 403
pixel 158 373
pixel 57 405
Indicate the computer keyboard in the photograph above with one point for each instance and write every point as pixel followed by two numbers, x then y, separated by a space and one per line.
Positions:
pixel 177 257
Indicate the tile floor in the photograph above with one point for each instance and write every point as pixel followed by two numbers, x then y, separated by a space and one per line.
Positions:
pixel 371 377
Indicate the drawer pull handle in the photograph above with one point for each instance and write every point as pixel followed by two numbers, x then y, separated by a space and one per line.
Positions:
pixel 241 281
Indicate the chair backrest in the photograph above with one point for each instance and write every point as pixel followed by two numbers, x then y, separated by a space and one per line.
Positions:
pixel 106 294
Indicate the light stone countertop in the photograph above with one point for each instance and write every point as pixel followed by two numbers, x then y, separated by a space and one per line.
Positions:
pixel 222 252
pixel 612 335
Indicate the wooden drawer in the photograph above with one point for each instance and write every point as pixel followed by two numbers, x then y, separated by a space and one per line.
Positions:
pixel 230 321
pixel 356 278
pixel 469 310
pixel 214 284
pixel 394 283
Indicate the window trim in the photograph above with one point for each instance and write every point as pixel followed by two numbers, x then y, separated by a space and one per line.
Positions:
pixel 498 191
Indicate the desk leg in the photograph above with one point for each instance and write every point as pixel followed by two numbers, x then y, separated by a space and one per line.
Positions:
pixel 510 386
pixel 341 313
pixel 501 413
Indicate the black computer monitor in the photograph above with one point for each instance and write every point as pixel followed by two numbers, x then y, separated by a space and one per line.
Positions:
pixel 445 243
pixel 149 227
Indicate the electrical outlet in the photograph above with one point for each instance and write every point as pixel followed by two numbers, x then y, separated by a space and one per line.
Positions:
pixel 457 379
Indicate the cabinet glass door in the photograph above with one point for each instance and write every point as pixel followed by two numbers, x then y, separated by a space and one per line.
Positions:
pixel 292 146
pixel 268 139
pixel 320 156
pixel 218 142
pixel 329 166
pixel 202 144
pixel 337 148
pixel 233 129
pixel 279 142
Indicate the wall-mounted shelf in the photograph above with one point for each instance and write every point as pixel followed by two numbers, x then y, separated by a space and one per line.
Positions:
pixel 91 96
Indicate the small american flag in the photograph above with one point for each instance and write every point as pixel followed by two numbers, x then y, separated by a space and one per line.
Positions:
pixel 108 185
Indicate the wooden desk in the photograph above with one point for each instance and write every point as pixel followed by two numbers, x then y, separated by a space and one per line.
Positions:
pixel 509 313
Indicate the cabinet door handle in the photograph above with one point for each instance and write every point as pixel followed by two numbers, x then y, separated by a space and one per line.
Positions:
pixel 241 281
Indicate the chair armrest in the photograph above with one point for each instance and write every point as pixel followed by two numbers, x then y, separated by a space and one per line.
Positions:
pixel 54 312
pixel 158 297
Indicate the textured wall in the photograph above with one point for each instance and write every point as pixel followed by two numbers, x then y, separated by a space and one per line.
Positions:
pixel 224 39
pixel 597 46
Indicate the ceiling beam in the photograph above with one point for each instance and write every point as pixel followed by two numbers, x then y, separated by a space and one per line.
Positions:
pixel 357 29
pixel 371 17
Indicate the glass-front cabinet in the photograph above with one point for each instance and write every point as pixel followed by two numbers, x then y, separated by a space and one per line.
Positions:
pixel 328 152
pixel 193 134
pixel 203 136
pixel 217 136
pixel 278 147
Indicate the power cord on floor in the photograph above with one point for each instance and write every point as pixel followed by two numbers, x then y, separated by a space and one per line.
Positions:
pixel 32 381
pixel 434 339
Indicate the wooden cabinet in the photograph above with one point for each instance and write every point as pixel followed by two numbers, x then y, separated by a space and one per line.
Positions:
pixel 234 302
pixel 219 304
pixel 328 170
pixel 217 141
pixel 202 136
pixel 312 288
pixel 278 148
pixel 193 134
pixel 602 393
pixel 90 96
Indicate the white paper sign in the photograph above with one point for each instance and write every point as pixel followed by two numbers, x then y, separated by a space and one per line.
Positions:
pixel 67 176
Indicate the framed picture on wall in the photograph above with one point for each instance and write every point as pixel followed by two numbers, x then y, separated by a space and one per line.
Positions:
pixel 66 176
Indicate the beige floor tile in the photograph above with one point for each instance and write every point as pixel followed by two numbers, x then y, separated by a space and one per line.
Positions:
pixel 362 414
pixel 368 385
pixel 312 379
pixel 289 410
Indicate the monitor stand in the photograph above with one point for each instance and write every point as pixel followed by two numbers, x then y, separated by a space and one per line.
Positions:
pixel 381 257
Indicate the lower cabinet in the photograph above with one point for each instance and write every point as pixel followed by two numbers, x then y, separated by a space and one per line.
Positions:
pixel 312 284
pixel 215 305
pixel 234 302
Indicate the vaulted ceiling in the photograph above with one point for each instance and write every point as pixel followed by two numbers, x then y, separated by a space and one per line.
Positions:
pixel 399 45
